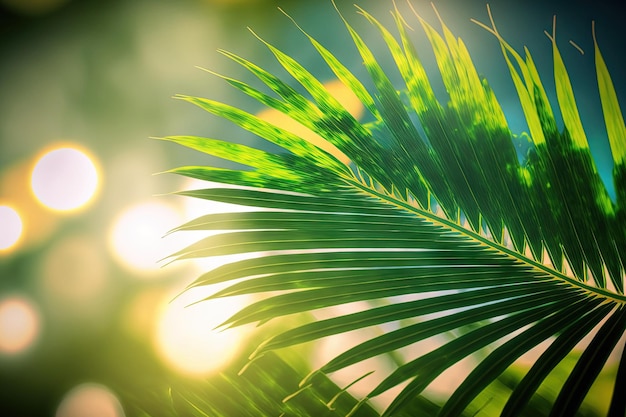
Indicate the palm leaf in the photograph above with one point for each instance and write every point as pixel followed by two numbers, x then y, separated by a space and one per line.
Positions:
pixel 449 219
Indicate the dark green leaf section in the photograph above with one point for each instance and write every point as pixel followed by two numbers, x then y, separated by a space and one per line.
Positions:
pixel 551 357
pixel 497 362
pixel 325 297
pixel 420 331
pixel 405 310
pixel 584 223
pixel 291 220
pixel 618 400
pixel 589 365
pixel 426 368
pixel 421 277
pixel 484 136
pixel 436 208
pixel 307 261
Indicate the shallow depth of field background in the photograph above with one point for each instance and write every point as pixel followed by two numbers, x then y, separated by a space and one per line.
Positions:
pixel 87 319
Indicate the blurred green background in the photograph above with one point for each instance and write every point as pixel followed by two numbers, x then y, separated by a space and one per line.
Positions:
pixel 85 308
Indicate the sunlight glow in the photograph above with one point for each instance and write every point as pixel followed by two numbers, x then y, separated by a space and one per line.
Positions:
pixel 64 179
pixel 136 238
pixel 10 227
pixel 38 222
pixel 92 400
pixel 185 337
pixel 19 325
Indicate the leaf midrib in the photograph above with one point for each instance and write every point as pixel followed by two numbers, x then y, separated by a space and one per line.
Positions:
pixel 389 199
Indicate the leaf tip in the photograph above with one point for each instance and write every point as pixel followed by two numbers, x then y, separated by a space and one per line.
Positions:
pixel 247 365
pixel 307 379
pixel 295 394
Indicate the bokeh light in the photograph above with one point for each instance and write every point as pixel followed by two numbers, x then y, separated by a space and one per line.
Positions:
pixel 10 227
pixel 136 238
pixel 38 222
pixel 64 179
pixel 185 337
pixel 90 400
pixel 74 278
pixel 19 325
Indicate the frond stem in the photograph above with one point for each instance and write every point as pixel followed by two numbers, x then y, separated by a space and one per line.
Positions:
pixel 610 296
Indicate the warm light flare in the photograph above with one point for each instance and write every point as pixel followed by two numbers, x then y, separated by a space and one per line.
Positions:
pixel 136 238
pixel 19 325
pixel 91 400
pixel 38 222
pixel 10 227
pixel 64 179
pixel 185 336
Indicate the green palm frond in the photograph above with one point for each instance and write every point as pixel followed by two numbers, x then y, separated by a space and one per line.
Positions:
pixel 434 206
